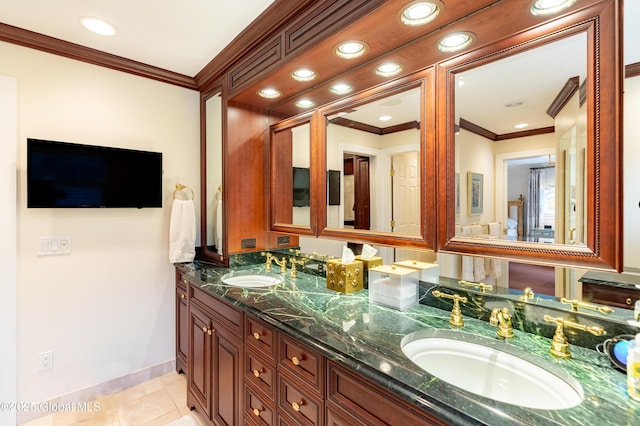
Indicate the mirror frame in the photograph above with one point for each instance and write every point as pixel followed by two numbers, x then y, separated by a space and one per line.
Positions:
pixel 425 80
pixel 207 254
pixel 603 248
pixel 274 190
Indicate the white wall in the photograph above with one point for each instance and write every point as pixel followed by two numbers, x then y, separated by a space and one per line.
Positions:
pixel 8 123
pixel 631 172
pixel 107 309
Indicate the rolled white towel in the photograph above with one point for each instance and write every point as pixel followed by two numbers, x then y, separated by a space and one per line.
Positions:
pixel 467 268
pixel 478 269
pixel 476 229
pixel 494 228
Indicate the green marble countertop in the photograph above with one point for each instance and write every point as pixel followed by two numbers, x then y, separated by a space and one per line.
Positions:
pixel 366 337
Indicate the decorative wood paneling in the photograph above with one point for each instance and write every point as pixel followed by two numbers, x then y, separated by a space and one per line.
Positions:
pixel 255 64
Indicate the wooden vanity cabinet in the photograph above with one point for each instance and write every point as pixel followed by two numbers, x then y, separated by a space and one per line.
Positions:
pixel 260 372
pixel 182 323
pixel 617 297
pixel 353 400
pixel 214 379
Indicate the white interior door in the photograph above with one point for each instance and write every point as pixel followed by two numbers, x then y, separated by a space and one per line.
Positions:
pixel 406 193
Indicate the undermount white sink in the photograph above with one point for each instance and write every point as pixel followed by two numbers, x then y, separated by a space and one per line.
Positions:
pixel 492 368
pixel 252 279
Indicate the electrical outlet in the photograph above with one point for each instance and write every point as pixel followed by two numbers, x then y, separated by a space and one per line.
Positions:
pixel 45 360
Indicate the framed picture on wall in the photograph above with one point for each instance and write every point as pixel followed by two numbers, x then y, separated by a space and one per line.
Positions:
pixel 474 193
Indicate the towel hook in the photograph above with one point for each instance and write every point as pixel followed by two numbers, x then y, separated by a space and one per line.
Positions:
pixel 180 187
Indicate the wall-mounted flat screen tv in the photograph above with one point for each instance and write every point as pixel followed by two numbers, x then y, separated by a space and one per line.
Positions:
pixel 62 174
pixel 301 187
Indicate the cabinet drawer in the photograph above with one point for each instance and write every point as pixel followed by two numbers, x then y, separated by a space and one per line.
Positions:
pixel 260 373
pixel 261 336
pixel 303 363
pixel 181 282
pixel 370 403
pixel 226 314
pixel 299 402
pixel 603 294
pixel 256 409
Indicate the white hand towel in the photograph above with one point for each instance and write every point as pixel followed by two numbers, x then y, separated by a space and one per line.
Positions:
pixel 496 266
pixel 467 268
pixel 478 269
pixel 218 231
pixel 182 232
pixel 494 228
pixel 476 229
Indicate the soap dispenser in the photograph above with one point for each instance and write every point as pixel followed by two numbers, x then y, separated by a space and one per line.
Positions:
pixel 633 369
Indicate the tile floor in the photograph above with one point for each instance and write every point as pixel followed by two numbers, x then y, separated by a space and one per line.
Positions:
pixel 157 402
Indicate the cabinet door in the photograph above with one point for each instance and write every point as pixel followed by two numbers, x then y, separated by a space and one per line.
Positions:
pixel 182 330
pixel 199 361
pixel 226 377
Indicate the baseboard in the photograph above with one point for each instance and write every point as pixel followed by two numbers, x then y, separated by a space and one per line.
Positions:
pixel 83 396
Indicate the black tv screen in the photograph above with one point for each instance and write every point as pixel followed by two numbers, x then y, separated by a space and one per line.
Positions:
pixel 62 174
pixel 301 187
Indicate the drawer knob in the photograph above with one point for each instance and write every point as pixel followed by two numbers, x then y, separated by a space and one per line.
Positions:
pixel 256 335
pixel 629 301
pixel 295 360
pixel 204 329
pixel 257 372
pixel 209 332
pixel 185 281
pixel 296 405
pixel 182 296
pixel 256 411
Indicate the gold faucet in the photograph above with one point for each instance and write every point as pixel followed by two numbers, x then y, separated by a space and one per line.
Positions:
pixel 282 263
pixel 575 304
pixel 501 318
pixel 293 261
pixel 482 286
pixel 456 314
pixel 269 256
pixel 527 294
pixel 559 344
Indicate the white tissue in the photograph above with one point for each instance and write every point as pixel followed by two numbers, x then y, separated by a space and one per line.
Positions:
pixel 368 252
pixel 347 255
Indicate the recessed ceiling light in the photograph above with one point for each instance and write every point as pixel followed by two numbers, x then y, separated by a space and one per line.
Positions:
pixel 269 93
pixel 456 41
pixel 305 103
pixel 521 125
pixel 549 7
pixel 304 74
pixel 388 69
pixel 341 88
pixel 351 49
pixel 420 12
pixel 384 118
pixel 98 26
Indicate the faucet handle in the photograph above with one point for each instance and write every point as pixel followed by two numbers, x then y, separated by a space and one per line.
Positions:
pixel 560 344
pixel 482 286
pixel 293 261
pixel 269 256
pixel 456 313
pixel 501 318
pixel 575 304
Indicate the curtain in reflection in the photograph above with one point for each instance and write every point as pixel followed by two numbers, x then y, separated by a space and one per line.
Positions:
pixel 534 205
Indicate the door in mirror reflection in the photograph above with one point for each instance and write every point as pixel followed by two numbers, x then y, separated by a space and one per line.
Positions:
pixel 213 221
pixel 376 149
pixel 521 136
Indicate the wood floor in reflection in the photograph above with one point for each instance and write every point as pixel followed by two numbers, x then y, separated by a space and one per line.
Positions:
pixel 541 279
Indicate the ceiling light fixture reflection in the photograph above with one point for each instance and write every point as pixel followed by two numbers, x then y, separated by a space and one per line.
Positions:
pixel 549 7
pixel 305 103
pixel 304 74
pixel 420 12
pixel 384 118
pixel 341 88
pixel 388 69
pixel 456 41
pixel 351 49
pixel 269 93
pixel 98 26
pixel 521 125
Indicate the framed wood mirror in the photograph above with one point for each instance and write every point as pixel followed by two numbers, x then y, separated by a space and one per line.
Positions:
pixel 212 178
pixel 378 160
pixel 572 66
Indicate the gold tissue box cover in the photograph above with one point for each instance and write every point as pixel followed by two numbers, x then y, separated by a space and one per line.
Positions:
pixel 344 277
pixel 370 262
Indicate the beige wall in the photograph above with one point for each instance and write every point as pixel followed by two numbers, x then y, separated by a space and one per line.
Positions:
pixel 107 309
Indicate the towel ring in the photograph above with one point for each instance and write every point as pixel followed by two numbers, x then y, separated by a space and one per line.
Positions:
pixel 180 187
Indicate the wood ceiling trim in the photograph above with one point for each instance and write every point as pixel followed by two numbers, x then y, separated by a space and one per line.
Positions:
pixel 567 91
pixel 356 125
pixel 481 131
pixel 632 70
pixel 69 50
